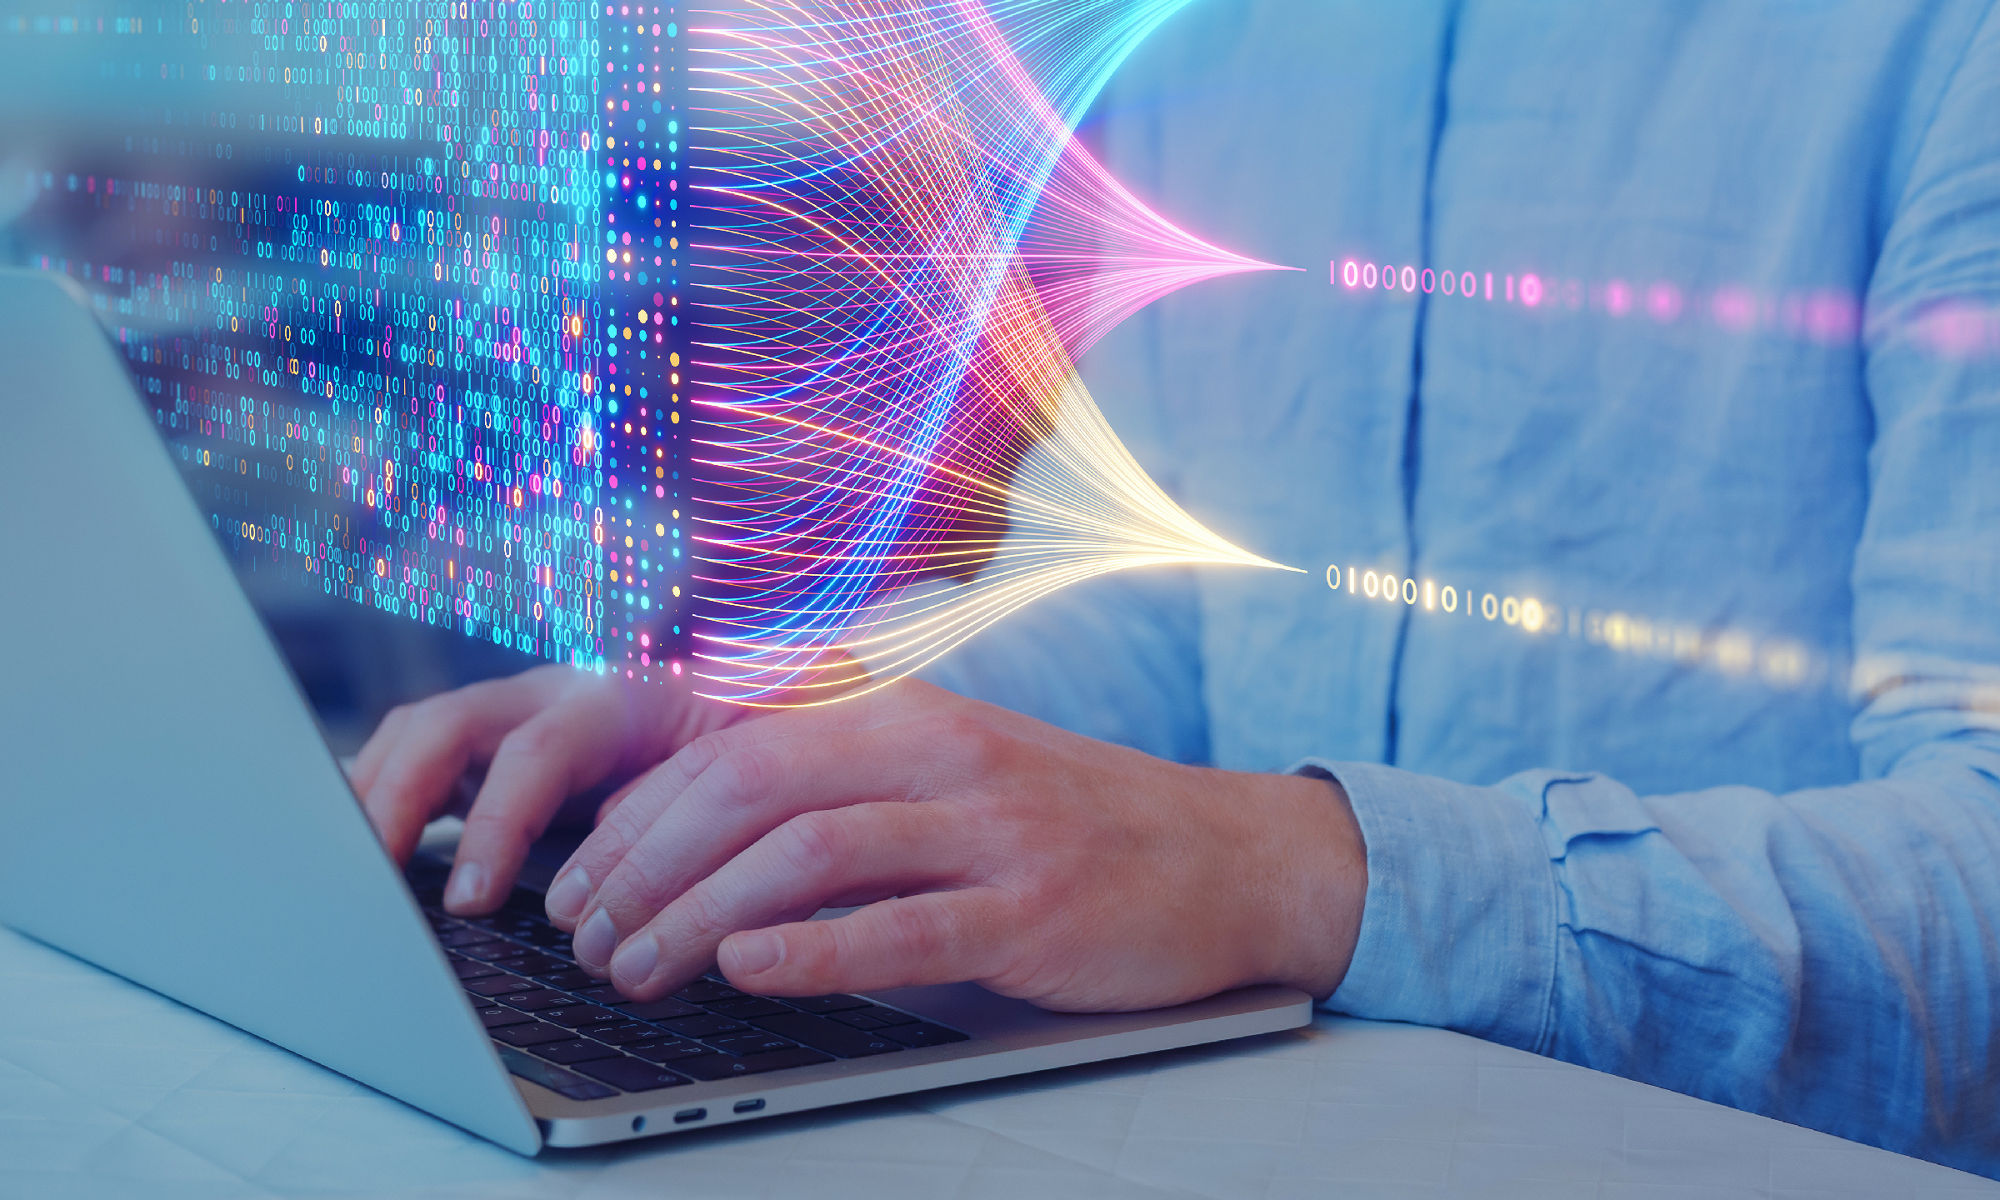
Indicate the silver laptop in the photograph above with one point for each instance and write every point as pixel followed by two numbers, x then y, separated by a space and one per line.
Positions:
pixel 170 812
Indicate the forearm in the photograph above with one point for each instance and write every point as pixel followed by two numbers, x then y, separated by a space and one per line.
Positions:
pixel 1827 957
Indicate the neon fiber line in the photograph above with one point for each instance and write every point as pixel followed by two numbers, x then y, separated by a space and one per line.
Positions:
pixel 910 250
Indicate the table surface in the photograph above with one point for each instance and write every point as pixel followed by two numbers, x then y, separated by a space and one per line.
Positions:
pixel 107 1089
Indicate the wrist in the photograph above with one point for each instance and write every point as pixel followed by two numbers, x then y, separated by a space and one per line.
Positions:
pixel 1318 880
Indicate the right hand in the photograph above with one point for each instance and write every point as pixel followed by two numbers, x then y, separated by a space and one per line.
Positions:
pixel 543 738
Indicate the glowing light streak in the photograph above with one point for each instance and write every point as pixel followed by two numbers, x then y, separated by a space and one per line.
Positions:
pixel 912 249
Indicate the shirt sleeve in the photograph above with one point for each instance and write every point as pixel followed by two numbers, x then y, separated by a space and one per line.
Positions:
pixel 1830 957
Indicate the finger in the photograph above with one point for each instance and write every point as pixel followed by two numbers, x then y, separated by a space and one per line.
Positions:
pixel 739 798
pixel 669 730
pixel 375 751
pixel 908 941
pixel 434 742
pixel 572 745
pixel 571 891
pixel 431 747
pixel 624 823
pixel 614 800
pixel 792 872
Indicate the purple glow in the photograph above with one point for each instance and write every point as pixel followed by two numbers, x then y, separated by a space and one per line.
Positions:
pixel 1957 329
pixel 1734 308
pixel 1832 318
pixel 1663 301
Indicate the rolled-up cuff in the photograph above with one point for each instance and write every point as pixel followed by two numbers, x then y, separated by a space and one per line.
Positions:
pixel 1459 924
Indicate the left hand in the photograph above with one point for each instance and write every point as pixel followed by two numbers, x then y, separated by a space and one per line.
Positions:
pixel 983 845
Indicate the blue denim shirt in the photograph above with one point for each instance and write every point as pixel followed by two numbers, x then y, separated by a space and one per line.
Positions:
pixel 1728 819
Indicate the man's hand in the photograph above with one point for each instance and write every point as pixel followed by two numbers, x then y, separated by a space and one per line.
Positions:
pixel 543 738
pixel 984 846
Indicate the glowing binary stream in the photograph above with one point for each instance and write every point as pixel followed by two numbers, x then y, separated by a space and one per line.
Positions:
pixel 1824 316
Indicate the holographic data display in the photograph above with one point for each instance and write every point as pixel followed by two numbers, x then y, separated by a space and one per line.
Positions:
pixel 398 279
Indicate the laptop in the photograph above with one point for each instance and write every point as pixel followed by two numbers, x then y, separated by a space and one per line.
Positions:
pixel 170 812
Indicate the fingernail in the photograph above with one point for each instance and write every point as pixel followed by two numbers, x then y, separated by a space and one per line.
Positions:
pixel 755 952
pixel 633 965
pixel 596 940
pixel 468 884
pixel 565 899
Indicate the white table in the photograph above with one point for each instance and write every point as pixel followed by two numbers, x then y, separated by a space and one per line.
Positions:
pixel 109 1090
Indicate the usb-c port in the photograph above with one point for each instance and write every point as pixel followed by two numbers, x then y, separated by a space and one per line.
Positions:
pixel 744 1106
pixel 689 1114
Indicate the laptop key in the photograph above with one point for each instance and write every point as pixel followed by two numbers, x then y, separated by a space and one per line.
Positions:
pixel 533 1034
pixel 623 1034
pixel 706 991
pixel 825 1004
pixel 466 968
pixel 748 1043
pixel 872 1017
pixel 554 1078
pixel 921 1033
pixel 582 1016
pixel 532 1000
pixel 451 938
pixel 575 1050
pixel 657 1010
pixel 569 979
pixel 667 1050
pixel 496 1015
pixel 533 962
pixel 631 1075
pixel 703 1026
pixel 486 943
pixel 859 1020
pixel 744 1007
pixel 493 985
pixel 723 1066
pixel 548 937
pixel 823 1034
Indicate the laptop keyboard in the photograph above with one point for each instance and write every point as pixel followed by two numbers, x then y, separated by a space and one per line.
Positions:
pixel 559 1027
